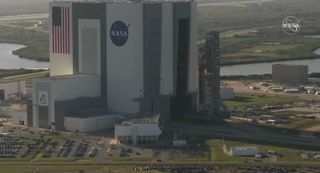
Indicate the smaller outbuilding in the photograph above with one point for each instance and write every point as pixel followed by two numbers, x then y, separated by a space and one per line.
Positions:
pixel 143 130
pixel 179 140
pixel 244 151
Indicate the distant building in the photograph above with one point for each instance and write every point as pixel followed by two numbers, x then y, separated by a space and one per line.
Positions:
pixel 179 140
pixel 244 151
pixel 12 90
pixel 290 74
pixel 19 118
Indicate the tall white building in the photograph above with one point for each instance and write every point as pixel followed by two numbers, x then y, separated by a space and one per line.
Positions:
pixel 127 58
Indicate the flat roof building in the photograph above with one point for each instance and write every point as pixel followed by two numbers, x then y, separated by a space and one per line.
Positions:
pixel 127 58
pixel 290 74
pixel 144 130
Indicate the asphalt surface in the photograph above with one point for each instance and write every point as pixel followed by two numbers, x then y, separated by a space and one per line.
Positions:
pixel 254 133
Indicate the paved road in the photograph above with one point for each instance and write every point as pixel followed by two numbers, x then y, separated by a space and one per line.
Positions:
pixel 28 76
pixel 251 133
pixel 232 3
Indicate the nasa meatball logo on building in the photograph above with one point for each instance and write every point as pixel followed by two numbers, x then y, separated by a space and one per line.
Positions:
pixel 119 33
pixel 43 98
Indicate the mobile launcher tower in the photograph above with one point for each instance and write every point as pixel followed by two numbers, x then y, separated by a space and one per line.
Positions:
pixel 211 106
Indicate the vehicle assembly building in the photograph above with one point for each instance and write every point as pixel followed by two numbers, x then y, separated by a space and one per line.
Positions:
pixel 117 58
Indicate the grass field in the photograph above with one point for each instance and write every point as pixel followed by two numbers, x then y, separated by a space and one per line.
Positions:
pixel 49 169
pixel 289 113
pixel 251 100
pixel 301 124
pixel 287 154
pixel 226 18
pixel 269 44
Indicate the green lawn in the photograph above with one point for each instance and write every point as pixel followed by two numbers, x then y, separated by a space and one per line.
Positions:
pixel 189 159
pixel 288 113
pixel 48 169
pixel 250 100
pixel 216 152
pixel 271 45
pixel 125 159
pixel 223 18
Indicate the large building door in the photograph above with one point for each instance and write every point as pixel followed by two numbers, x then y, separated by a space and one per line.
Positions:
pixel 89 46
pixel 182 56
pixel 43 117
pixel 181 103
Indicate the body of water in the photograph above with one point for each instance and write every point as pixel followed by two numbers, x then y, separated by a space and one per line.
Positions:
pixel 205 3
pixel 264 68
pixel 10 61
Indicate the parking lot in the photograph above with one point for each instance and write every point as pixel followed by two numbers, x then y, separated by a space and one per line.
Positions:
pixel 10 146
pixel 43 145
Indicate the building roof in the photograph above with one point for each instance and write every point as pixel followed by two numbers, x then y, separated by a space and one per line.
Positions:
pixel 62 77
pixel 121 1
pixel 143 120
pixel 245 148
pixel 290 65
pixel 90 113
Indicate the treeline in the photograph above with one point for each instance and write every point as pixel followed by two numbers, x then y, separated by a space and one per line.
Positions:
pixel 248 77
pixel 259 77
pixel 12 72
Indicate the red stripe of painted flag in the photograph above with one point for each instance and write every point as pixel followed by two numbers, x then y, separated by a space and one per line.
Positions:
pixel 61 33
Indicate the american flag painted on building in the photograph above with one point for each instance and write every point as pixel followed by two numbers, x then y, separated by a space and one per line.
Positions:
pixel 61 30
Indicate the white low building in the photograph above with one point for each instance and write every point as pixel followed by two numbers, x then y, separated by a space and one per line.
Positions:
pixel 139 131
pixel 244 151
pixel 179 142
pixel 89 123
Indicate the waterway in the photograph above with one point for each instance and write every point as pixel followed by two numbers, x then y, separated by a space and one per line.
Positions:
pixel 265 68
pixel 10 61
